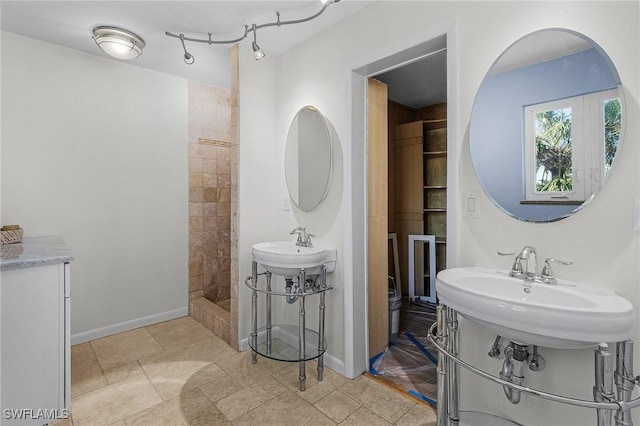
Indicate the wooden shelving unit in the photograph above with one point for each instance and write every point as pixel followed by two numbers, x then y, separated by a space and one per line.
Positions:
pixel 435 191
pixel 421 194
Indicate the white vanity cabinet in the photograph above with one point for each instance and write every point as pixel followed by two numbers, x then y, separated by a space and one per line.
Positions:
pixel 35 340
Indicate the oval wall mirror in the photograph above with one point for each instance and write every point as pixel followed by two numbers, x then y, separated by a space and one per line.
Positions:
pixel 308 159
pixel 546 125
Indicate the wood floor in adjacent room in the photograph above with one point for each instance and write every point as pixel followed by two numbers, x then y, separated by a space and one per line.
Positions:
pixel 179 373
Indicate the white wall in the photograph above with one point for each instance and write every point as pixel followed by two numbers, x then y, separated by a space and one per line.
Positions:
pixel 599 239
pixel 95 150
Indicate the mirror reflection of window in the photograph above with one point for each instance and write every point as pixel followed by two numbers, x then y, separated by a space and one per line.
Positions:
pixel 570 146
pixel 612 125
pixel 553 150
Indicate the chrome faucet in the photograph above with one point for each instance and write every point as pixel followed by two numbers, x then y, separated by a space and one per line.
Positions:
pixel 520 271
pixel 304 239
pixel 524 255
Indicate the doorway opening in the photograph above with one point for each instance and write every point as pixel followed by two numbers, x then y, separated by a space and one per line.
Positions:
pixel 416 220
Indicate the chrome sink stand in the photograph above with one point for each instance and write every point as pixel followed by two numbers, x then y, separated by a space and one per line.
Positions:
pixel 309 347
pixel 444 335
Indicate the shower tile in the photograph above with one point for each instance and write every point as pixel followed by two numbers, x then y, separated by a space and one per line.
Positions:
pixel 196 224
pixel 195 209
pixel 195 295
pixel 209 151
pixel 210 209
pixel 223 153
pixel 224 181
pixel 196 283
pixel 195 180
pixel 210 180
pixel 224 194
pixel 210 166
pixel 196 195
pixel 211 195
pixel 223 167
pixel 211 225
pixel 196 268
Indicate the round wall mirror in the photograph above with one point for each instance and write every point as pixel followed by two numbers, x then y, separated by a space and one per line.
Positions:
pixel 308 159
pixel 546 125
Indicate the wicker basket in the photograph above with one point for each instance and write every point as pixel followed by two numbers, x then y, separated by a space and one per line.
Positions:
pixel 10 234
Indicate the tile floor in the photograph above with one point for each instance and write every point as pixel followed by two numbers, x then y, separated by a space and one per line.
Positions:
pixel 179 373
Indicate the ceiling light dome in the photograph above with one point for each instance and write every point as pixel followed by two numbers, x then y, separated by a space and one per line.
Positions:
pixel 118 43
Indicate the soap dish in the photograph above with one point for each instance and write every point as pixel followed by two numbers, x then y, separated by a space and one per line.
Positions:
pixel 10 234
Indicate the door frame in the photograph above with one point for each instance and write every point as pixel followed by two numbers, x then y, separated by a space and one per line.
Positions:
pixel 356 176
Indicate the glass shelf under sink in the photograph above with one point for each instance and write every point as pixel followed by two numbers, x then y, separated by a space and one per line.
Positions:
pixel 284 343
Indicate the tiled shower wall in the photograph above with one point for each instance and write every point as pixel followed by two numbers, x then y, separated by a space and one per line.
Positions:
pixel 209 119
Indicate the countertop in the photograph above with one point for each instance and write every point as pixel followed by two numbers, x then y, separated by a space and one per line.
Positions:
pixel 34 251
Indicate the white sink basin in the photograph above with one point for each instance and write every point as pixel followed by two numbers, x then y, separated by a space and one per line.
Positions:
pixel 567 316
pixel 286 258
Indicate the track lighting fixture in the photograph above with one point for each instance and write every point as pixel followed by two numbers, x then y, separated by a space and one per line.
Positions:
pixel 258 53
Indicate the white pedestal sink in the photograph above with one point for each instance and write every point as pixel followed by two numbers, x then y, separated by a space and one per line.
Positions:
pixel 567 315
pixel 286 258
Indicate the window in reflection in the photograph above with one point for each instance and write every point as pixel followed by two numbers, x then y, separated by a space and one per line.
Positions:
pixel 570 145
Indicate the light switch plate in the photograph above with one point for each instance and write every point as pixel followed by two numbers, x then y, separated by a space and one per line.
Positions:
pixel 286 203
pixel 471 204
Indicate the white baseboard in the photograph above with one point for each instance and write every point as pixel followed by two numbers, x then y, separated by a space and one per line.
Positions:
pixel 97 333
pixel 330 361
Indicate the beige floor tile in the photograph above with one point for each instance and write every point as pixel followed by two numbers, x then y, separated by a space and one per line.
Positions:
pixel 364 417
pixel 220 387
pixel 114 402
pixel 314 390
pixel 419 415
pixel 125 347
pixel 240 368
pixel 62 422
pixel 240 403
pixel 170 387
pixel 177 333
pixel 337 406
pixel 286 409
pixel 154 328
pixel 189 408
pixel 377 398
pixel 86 377
pixel 192 357
pixel 123 372
pixel 82 354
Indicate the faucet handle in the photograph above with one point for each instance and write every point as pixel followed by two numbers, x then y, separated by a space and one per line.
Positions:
pixel 308 240
pixel 547 270
pixel 516 268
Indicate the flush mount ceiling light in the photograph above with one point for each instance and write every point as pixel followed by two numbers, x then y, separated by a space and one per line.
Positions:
pixel 257 52
pixel 118 43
